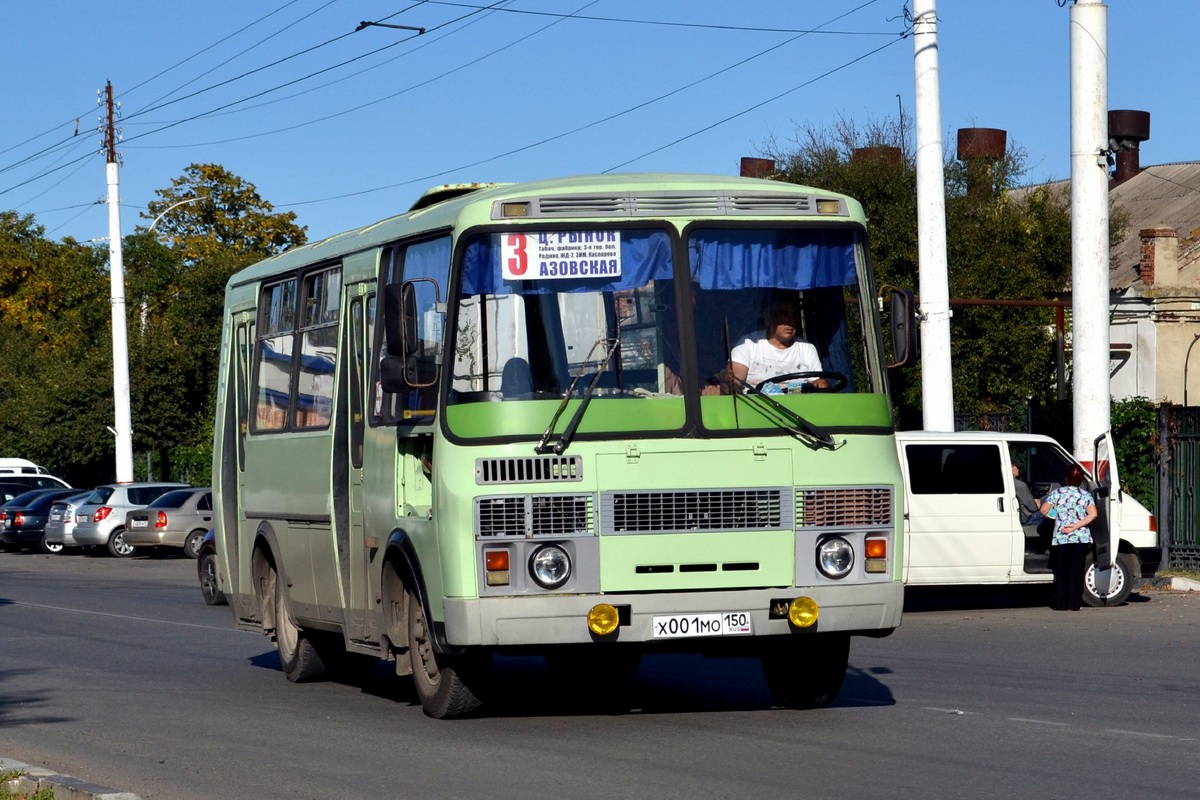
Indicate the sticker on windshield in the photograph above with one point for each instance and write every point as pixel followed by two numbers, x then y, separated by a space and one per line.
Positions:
pixel 560 254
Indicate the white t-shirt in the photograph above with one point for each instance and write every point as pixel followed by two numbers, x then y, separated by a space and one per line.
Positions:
pixel 764 360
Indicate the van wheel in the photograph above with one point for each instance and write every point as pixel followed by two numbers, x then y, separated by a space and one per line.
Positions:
pixel 806 671
pixel 297 656
pixel 1125 574
pixel 117 545
pixel 446 685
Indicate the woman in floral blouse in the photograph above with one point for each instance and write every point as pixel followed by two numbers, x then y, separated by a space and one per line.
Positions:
pixel 1074 509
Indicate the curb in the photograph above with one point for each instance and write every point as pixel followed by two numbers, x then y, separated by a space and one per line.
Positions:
pixel 65 787
pixel 1172 584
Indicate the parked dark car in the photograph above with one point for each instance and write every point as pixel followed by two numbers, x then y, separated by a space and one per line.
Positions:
pixel 10 490
pixel 206 570
pixel 24 523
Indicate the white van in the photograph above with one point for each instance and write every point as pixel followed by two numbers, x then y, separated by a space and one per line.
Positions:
pixel 964 526
pixel 20 466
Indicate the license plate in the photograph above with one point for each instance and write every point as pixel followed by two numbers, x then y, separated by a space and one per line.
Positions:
pixel 55 517
pixel 722 623
pixel 137 523
pixel 81 518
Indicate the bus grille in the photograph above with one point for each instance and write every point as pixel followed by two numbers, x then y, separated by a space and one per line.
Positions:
pixel 534 515
pixel 717 510
pixel 851 506
pixel 670 203
pixel 528 469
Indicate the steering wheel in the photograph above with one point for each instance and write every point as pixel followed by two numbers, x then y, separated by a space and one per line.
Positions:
pixel 837 381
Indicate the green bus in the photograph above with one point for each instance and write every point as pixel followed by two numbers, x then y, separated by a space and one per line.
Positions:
pixel 510 421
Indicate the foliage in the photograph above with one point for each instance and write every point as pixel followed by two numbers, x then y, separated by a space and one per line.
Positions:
pixel 1135 438
pixel 209 211
pixel 56 392
pixel 1000 245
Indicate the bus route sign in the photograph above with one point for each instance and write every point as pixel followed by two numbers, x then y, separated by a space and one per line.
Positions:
pixel 560 254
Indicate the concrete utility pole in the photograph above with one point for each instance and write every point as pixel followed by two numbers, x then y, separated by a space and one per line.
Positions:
pixel 116 275
pixel 1089 224
pixel 937 386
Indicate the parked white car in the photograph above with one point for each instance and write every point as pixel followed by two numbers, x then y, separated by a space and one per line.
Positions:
pixel 964 527
pixel 101 519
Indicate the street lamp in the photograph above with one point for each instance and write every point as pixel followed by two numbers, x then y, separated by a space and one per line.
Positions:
pixel 1185 365
pixel 172 207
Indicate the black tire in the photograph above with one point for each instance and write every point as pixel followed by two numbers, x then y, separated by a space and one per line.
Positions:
pixel 447 686
pixel 117 546
pixel 806 671
pixel 191 545
pixel 210 587
pixel 297 656
pixel 1126 573
pixel 47 547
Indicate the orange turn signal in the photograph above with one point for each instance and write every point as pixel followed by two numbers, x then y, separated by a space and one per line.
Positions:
pixel 876 548
pixel 495 560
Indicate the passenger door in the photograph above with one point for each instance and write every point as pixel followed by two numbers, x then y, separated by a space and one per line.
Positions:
pixel 960 520
pixel 1106 531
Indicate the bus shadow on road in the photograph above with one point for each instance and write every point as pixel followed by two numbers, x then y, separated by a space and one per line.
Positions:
pixel 524 686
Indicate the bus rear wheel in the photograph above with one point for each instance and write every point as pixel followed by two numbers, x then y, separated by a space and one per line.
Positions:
pixel 297 655
pixel 447 686
pixel 806 671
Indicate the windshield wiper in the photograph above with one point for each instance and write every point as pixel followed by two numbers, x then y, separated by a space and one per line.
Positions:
pixel 569 432
pixel 813 435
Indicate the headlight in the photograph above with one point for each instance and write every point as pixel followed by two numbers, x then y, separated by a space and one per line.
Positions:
pixel 835 557
pixel 550 566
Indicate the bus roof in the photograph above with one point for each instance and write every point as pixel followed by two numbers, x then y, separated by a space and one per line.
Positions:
pixel 617 197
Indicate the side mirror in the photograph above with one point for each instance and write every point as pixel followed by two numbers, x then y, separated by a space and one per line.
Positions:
pixel 404 366
pixel 906 341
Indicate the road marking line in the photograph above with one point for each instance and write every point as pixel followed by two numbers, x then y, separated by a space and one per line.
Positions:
pixel 119 616
pixel 1039 721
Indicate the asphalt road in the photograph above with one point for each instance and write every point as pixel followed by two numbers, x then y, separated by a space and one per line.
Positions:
pixel 116 671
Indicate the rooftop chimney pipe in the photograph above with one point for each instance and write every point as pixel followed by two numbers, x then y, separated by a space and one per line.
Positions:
pixel 757 167
pixel 981 148
pixel 891 156
pixel 1126 131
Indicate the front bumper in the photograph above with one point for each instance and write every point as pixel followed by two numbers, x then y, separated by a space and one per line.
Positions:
pixel 562 619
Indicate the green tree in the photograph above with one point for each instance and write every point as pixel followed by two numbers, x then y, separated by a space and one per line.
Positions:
pixel 1001 245
pixel 56 388
pixel 212 224
pixel 209 211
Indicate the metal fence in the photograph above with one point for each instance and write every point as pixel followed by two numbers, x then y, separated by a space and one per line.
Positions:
pixel 1175 484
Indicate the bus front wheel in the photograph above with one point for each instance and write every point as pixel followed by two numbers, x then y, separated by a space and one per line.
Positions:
pixel 446 685
pixel 297 655
pixel 806 671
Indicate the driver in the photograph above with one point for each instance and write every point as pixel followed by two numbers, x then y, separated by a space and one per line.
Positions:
pixel 776 351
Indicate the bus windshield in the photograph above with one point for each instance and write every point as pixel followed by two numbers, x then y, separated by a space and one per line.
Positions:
pixel 548 315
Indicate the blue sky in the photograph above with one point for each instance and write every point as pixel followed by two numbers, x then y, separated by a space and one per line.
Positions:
pixel 346 127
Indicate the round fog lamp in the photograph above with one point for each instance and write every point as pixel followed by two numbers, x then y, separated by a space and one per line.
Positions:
pixel 603 619
pixel 550 566
pixel 835 557
pixel 803 611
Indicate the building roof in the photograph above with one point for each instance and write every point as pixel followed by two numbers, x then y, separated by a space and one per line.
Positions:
pixel 1166 195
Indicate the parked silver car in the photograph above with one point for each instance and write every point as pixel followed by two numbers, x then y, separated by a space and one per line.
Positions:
pixel 101 519
pixel 179 518
pixel 60 525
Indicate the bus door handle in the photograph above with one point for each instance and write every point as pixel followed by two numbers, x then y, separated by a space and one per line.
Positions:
pixel 1000 504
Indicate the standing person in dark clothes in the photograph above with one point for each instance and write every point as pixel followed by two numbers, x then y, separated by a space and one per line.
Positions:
pixel 1074 509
